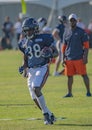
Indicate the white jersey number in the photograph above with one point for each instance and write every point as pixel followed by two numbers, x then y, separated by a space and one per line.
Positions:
pixel 36 51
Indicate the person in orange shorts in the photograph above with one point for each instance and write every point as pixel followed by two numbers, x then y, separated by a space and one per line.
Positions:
pixel 75 54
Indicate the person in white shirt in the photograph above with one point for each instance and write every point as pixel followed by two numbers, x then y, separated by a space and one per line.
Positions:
pixel 18 28
pixel 90 26
pixel 80 23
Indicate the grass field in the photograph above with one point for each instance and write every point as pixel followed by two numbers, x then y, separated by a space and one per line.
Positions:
pixel 17 110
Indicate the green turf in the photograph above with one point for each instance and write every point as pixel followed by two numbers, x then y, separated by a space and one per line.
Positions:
pixel 17 110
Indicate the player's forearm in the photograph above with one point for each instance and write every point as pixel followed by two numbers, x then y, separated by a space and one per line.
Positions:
pixel 85 56
pixel 86 52
pixel 25 64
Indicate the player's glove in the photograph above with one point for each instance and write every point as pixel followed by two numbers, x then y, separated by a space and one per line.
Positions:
pixel 21 69
pixel 46 52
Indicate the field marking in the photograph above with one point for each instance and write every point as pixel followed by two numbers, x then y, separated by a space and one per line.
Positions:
pixel 29 119
pixel 17 105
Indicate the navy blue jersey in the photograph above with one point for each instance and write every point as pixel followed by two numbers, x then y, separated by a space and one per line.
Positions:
pixel 74 41
pixel 61 29
pixel 7 26
pixel 22 45
pixel 32 49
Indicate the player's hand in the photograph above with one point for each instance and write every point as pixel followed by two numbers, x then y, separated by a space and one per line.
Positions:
pixel 21 69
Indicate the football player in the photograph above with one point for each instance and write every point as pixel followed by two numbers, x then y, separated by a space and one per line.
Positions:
pixel 43 28
pixel 38 49
pixel 58 35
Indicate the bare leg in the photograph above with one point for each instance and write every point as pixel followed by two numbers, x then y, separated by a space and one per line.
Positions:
pixel 86 82
pixel 70 82
pixel 57 64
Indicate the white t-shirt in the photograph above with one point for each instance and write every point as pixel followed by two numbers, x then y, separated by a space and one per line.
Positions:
pixel 18 27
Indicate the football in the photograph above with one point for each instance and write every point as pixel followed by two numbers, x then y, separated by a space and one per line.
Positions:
pixel 46 52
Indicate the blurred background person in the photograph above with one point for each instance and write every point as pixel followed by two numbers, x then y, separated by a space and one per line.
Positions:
pixel 75 49
pixel 8 30
pixel 18 30
pixel 58 36
pixel 80 23
pixel 90 26
pixel 90 33
pixel 43 28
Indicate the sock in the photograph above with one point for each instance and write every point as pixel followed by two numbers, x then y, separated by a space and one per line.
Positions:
pixel 43 105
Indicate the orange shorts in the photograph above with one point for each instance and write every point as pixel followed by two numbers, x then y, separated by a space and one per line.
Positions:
pixel 73 67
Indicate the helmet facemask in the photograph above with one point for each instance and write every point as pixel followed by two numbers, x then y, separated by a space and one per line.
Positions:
pixel 29 33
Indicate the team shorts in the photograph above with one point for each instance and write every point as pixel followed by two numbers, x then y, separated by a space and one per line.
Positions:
pixel 37 78
pixel 74 67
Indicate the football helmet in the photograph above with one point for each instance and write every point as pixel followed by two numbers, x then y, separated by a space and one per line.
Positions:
pixel 42 22
pixel 62 18
pixel 30 27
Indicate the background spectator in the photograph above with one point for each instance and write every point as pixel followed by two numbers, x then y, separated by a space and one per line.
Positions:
pixel 75 55
pixel 90 26
pixel 8 31
pixel 18 28
pixel 58 35
pixel 80 23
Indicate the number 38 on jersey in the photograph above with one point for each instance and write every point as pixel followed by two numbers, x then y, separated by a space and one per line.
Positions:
pixel 34 51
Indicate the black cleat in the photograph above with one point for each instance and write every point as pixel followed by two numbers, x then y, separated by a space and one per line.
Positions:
pixel 52 118
pixel 88 94
pixel 47 120
pixel 68 95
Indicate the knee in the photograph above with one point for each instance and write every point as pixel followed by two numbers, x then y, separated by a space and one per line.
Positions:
pixel 37 91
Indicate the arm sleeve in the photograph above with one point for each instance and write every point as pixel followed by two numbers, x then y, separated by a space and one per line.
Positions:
pixel 86 44
pixel 63 48
pixel 85 40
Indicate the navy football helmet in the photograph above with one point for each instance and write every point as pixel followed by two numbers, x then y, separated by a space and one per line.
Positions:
pixel 62 18
pixel 30 27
